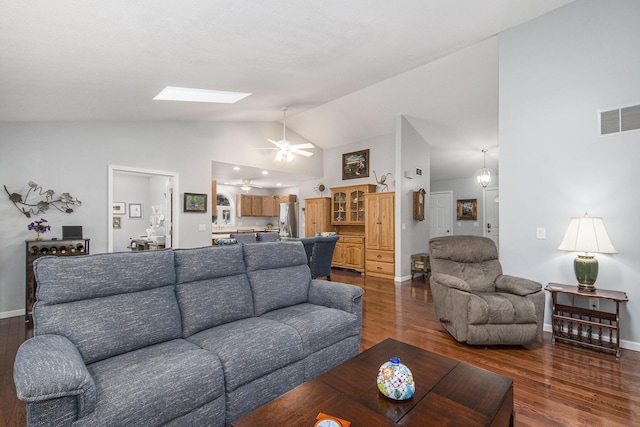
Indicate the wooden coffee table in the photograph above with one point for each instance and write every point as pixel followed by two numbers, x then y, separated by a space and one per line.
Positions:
pixel 448 392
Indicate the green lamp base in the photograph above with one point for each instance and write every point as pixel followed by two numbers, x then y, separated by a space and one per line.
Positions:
pixel 586 269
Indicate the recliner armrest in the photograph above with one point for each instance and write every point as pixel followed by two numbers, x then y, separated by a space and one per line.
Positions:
pixel 336 295
pixel 49 367
pixel 450 281
pixel 517 285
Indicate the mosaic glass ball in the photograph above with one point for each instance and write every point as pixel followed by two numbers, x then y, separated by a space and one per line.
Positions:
pixel 395 380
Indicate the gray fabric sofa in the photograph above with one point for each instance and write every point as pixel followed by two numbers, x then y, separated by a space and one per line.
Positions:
pixel 179 337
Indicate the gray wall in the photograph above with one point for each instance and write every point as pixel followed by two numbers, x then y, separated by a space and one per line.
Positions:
pixel 555 73
pixel 74 157
pixel 465 189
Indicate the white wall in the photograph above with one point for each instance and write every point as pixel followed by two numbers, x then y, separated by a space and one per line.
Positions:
pixel 74 157
pixel 555 73
pixel 412 236
pixel 465 188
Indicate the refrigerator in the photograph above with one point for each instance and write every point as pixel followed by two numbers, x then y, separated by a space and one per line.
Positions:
pixel 288 221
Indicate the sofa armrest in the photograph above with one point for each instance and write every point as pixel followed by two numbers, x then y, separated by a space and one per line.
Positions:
pixel 49 367
pixel 450 282
pixel 517 285
pixel 336 295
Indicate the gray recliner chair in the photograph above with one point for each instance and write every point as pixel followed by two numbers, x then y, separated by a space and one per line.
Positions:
pixel 475 302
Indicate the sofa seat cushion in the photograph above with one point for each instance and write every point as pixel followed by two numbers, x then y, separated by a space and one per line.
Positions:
pixel 154 385
pixel 251 348
pixel 319 326
pixel 500 308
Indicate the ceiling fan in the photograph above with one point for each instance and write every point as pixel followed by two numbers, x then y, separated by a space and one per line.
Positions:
pixel 246 185
pixel 286 151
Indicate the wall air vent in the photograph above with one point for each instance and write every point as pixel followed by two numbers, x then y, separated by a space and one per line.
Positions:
pixel 620 120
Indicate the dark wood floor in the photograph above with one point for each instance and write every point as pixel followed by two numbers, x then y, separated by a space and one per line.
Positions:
pixel 555 384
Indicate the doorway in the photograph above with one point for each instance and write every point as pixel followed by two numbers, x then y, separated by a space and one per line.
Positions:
pixel 491 205
pixel 440 213
pixel 159 208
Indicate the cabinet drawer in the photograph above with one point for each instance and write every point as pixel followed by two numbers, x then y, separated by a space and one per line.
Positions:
pixel 351 239
pixel 381 256
pixel 380 267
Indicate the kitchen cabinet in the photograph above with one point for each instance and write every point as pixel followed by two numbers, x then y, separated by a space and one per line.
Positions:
pixel 347 204
pixel 380 234
pixel 256 205
pixel 317 215
pixel 269 206
pixel 243 205
pixel 259 205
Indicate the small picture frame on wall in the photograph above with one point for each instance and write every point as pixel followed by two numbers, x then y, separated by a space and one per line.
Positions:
pixel 355 164
pixel 119 208
pixel 135 210
pixel 117 222
pixel 468 209
pixel 195 202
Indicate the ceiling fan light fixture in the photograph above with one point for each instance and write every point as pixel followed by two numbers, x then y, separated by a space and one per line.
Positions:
pixel 246 188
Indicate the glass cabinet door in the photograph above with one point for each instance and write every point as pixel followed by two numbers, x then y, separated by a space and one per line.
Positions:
pixel 356 206
pixel 339 207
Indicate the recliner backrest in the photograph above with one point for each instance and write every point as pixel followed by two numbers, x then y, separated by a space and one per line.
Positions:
pixel 108 304
pixel 473 259
pixel 322 256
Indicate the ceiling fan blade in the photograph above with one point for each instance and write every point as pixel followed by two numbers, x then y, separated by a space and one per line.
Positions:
pixel 302 153
pixel 279 144
pixel 269 148
pixel 302 146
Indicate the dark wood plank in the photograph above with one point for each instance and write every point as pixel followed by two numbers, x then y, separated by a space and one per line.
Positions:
pixel 554 384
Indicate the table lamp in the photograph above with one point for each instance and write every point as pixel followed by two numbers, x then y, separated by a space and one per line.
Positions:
pixel 588 235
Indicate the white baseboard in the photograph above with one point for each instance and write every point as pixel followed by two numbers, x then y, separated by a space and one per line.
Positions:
pixel 14 313
pixel 627 345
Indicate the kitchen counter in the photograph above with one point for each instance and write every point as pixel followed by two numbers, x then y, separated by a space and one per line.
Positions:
pixel 225 232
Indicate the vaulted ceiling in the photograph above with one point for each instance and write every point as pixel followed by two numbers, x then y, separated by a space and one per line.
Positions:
pixel 346 69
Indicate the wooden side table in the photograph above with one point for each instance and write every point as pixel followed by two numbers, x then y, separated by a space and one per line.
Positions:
pixel 592 328
pixel 420 264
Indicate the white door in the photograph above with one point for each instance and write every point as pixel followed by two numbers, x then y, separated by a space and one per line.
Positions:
pixel 440 213
pixel 491 214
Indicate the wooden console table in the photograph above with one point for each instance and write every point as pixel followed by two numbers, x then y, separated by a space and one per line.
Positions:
pixel 593 328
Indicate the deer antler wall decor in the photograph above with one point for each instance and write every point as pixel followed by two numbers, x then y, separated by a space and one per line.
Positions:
pixel 63 203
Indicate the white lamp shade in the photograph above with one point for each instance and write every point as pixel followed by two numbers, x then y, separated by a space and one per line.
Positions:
pixel 587 234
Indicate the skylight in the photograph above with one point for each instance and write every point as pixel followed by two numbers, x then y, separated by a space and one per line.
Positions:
pixel 171 93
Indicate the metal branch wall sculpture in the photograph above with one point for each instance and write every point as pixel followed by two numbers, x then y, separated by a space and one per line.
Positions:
pixel 63 203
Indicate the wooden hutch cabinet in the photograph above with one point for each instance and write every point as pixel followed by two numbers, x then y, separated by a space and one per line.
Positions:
pixel 349 253
pixel 348 217
pixel 347 204
pixel 317 215
pixel 380 235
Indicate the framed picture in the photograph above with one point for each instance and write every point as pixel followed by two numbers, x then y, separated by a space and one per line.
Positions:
pixel 468 209
pixel 195 202
pixel 119 208
pixel 355 164
pixel 117 223
pixel 135 210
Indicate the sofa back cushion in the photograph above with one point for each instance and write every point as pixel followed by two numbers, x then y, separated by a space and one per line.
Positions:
pixel 278 274
pixel 108 304
pixel 212 287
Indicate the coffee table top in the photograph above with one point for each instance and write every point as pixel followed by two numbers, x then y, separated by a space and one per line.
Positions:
pixel 446 390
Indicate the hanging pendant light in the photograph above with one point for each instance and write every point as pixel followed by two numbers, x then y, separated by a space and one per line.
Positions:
pixel 485 176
